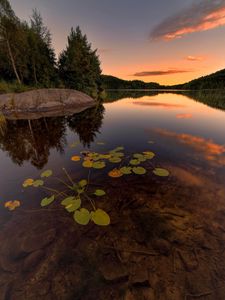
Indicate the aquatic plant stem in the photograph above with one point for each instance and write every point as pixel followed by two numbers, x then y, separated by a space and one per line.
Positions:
pixel 68 176
pixel 89 199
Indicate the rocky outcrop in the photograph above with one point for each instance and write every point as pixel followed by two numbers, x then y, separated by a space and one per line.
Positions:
pixel 44 103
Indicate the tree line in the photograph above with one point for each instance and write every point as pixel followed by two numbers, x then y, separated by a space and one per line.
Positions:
pixel 27 56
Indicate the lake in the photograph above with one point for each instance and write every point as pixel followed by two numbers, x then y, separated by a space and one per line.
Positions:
pixel 166 238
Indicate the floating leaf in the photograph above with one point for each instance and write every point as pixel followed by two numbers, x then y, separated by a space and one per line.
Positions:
pixel 28 182
pixel 115 173
pixel 99 165
pixel 68 200
pixel 161 172
pixel 46 201
pixel 115 160
pixel 38 183
pixel 134 162
pixel 140 157
pixel 99 193
pixel 83 183
pixel 139 170
pixel 75 158
pixel 11 205
pixel 151 142
pixel 100 217
pixel 82 216
pixel 46 173
pixel 117 149
pixel 104 156
pixel 74 205
pixel 126 170
pixel 149 154
pixel 87 164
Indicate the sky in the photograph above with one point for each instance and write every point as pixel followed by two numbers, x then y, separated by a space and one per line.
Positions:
pixel 164 41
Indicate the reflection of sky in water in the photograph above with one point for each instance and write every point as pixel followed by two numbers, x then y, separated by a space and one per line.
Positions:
pixel 184 131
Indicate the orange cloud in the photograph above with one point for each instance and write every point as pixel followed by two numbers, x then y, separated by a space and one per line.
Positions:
pixel 184 116
pixel 210 150
pixel 160 73
pixel 194 58
pixel 159 104
pixel 201 16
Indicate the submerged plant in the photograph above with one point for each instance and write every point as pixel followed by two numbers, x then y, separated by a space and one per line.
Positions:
pixel 77 193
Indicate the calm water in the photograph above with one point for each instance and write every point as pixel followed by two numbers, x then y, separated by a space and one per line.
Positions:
pixel 167 235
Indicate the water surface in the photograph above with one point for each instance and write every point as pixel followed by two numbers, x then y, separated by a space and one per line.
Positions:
pixel 167 235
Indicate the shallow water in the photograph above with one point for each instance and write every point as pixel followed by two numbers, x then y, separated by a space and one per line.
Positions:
pixel 167 235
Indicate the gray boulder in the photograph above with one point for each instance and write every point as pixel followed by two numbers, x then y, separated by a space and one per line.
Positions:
pixel 43 103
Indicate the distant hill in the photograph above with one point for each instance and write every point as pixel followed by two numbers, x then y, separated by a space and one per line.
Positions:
pixel 212 81
pixel 111 82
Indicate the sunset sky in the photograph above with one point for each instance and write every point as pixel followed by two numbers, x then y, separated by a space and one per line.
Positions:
pixel 162 41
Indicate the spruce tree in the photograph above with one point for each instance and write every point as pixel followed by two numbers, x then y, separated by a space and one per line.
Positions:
pixel 79 65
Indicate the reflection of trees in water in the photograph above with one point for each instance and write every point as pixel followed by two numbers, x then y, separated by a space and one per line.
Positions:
pixel 115 95
pixel 31 140
pixel 212 98
pixel 86 124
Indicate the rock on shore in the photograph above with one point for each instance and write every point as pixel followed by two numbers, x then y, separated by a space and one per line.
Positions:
pixel 44 102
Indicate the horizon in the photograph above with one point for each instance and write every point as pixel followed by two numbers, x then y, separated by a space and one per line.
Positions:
pixel 147 41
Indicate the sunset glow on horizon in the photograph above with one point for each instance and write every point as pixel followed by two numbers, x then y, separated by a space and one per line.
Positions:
pixel 153 42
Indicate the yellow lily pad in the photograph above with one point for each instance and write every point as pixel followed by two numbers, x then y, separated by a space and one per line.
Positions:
pixel 100 217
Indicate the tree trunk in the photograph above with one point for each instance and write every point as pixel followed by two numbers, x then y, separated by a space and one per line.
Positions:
pixel 13 62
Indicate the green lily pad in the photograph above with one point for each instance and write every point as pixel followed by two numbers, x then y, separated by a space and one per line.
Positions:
pixel 73 145
pixel 100 217
pixel 46 201
pixel 161 172
pixel 126 170
pixel 46 173
pixel 134 162
pixel 73 205
pixel 149 154
pixel 87 164
pixel 151 142
pixel 83 183
pixel 38 183
pixel 99 193
pixel 139 170
pixel 100 143
pixel 99 165
pixel 115 159
pixel 82 216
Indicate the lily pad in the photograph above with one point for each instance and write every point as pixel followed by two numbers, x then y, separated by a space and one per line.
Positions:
pixel 75 158
pixel 126 170
pixel 100 217
pixel 115 160
pixel 134 162
pixel 46 201
pixel 149 154
pixel 139 170
pixel 161 172
pixel 99 165
pixel 38 183
pixel 83 183
pixel 28 182
pixel 73 204
pixel 82 216
pixel 87 164
pixel 46 173
pixel 115 173
pixel 99 192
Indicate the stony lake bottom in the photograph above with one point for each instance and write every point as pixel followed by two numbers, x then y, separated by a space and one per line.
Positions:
pixel 166 238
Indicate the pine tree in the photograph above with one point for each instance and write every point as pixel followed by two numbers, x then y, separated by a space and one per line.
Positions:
pixel 79 65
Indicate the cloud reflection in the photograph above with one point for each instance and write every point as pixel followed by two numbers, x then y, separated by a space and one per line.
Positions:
pixel 184 116
pixel 209 149
pixel 159 104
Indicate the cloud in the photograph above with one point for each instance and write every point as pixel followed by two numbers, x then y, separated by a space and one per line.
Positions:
pixel 160 73
pixel 211 151
pixel 202 15
pixel 159 104
pixel 194 58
